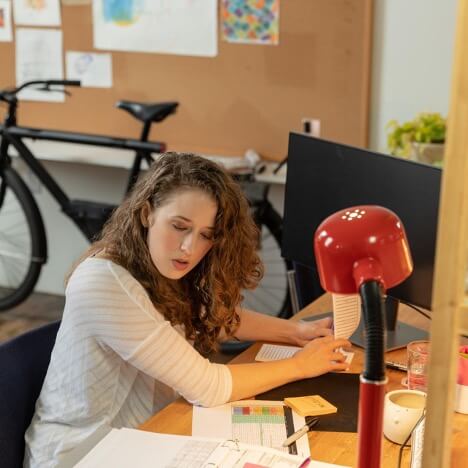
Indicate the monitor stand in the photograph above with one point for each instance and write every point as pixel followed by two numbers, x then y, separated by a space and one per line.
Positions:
pixel 398 334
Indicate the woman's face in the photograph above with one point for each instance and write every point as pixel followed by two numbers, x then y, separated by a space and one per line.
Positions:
pixel 180 232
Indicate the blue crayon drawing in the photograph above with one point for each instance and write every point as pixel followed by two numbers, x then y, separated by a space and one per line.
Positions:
pixel 122 12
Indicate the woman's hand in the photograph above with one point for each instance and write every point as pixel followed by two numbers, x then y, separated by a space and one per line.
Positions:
pixel 307 331
pixel 320 356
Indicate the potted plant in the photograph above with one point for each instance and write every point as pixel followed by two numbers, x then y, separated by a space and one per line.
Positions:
pixel 421 139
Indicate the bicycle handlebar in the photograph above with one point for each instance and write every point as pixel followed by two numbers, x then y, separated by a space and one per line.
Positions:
pixel 8 95
pixel 46 84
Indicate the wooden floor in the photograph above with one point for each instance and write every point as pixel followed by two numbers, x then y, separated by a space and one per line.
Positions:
pixel 37 310
pixel 41 308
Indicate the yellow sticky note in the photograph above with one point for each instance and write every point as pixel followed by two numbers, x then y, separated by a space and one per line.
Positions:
pixel 312 405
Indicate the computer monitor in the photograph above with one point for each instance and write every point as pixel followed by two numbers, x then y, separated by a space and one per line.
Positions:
pixel 324 177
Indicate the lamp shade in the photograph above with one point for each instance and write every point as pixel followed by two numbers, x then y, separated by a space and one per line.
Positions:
pixel 360 244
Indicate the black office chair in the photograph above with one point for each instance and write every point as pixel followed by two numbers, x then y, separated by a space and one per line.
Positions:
pixel 23 365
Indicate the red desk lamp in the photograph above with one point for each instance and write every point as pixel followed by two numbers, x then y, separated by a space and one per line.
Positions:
pixel 364 249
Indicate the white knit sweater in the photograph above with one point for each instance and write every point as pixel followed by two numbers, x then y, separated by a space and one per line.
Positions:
pixel 116 361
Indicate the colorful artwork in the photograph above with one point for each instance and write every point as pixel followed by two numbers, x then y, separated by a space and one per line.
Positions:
pixel 183 27
pixel 122 12
pixel 250 21
pixel 37 12
pixel 5 21
pixel 36 4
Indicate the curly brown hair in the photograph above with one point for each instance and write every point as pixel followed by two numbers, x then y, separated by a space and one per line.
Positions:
pixel 204 301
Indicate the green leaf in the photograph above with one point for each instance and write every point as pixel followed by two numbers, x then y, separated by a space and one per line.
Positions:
pixel 427 127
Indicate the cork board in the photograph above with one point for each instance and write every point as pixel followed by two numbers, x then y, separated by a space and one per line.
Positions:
pixel 249 96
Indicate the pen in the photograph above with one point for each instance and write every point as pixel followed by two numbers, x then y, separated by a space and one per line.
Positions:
pixel 396 365
pixel 300 432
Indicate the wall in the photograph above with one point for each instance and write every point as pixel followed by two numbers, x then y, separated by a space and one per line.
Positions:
pixel 247 96
pixel 411 62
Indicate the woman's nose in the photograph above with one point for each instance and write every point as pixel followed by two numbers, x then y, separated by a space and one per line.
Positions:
pixel 187 243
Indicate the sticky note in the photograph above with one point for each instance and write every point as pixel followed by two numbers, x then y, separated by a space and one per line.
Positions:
pixel 313 405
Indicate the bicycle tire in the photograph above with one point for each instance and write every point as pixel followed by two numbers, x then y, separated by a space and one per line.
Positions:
pixel 22 228
pixel 270 223
pixel 272 293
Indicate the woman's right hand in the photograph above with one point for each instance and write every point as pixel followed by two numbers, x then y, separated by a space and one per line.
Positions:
pixel 321 355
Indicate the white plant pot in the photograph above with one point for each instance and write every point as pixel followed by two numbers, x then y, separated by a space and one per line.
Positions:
pixel 428 153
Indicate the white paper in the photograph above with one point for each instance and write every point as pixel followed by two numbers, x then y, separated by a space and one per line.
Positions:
pixel 183 27
pixel 217 422
pixel 5 21
pixel 269 352
pixel 93 70
pixel 37 12
pixel 417 444
pixel 39 57
pixel 346 314
pixel 123 448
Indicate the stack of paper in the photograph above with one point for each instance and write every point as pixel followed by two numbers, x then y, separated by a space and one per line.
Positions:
pixel 254 422
pixel 122 448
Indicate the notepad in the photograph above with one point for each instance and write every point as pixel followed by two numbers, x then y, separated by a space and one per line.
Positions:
pixel 312 405
pixel 269 352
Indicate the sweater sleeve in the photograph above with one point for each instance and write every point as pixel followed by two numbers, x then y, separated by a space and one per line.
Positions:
pixel 123 319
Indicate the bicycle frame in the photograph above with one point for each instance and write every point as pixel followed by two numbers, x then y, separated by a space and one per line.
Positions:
pixel 14 135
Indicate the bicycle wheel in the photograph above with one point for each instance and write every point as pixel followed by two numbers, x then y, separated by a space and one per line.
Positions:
pixel 23 247
pixel 272 294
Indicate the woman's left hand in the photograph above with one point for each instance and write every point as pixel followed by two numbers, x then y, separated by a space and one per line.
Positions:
pixel 307 331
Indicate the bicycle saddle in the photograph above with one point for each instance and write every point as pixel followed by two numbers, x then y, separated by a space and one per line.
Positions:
pixel 154 112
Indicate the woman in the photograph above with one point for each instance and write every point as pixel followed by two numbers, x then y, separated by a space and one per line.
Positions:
pixel 162 286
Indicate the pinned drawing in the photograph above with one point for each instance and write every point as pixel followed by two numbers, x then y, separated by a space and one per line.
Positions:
pixel 182 27
pixel 39 57
pixel 93 70
pixel 37 12
pixel 5 21
pixel 122 12
pixel 250 21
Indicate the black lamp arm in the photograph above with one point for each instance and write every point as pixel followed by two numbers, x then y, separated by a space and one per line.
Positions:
pixel 373 313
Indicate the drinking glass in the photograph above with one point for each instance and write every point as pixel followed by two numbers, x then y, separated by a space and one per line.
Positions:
pixel 418 365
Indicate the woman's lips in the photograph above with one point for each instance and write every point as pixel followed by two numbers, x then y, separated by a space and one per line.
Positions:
pixel 180 264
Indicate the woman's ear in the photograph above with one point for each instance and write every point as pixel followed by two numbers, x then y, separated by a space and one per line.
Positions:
pixel 145 214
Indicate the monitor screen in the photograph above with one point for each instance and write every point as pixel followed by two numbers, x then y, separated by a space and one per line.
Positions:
pixel 324 177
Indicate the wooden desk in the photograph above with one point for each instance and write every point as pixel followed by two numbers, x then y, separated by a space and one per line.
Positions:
pixel 331 447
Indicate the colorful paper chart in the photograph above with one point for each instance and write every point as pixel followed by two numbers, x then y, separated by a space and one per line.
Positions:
pixel 250 21
pixel 258 414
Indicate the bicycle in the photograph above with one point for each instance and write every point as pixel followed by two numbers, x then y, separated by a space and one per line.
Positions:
pixel 23 243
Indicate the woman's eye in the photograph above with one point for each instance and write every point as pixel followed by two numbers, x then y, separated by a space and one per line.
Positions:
pixel 177 227
pixel 207 236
